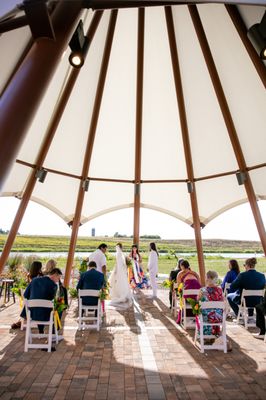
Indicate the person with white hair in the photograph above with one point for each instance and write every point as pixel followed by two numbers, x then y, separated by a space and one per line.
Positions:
pixel 211 292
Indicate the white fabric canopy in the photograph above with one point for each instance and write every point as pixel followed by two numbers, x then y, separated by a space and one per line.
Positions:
pixel 162 153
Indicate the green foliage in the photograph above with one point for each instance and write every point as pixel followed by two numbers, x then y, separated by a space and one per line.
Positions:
pixel 167 284
pixel 83 266
pixel 73 293
pixel 196 309
pixel 61 243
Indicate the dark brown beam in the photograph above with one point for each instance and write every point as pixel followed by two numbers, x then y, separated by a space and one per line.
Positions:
pixel 109 4
pixel 185 136
pixel 51 130
pixel 90 142
pixel 139 106
pixel 14 23
pixel 30 82
pixel 228 121
pixel 242 31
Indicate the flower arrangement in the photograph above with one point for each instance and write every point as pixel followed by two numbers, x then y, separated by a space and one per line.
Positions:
pixel 195 304
pixel 73 292
pixel 167 284
pixel 180 290
pixel 59 304
pixel 83 265
pixel 105 291
pixel 20 285
pixel 128 262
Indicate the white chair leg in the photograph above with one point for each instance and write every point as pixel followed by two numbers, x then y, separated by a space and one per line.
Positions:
pixel 26 347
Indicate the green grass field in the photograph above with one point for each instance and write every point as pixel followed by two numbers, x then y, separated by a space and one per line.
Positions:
pixel 27 243
pixel 168 248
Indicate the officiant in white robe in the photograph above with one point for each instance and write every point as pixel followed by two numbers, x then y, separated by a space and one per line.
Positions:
pixel 153 267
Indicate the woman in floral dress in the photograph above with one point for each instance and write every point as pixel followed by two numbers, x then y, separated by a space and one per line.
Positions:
pixel 136 276
pixel 211 292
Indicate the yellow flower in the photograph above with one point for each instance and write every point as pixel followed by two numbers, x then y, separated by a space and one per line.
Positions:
pixel 196 307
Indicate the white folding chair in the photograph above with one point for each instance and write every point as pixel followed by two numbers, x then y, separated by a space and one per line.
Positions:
pixel 225 293
pixel 219 343
pixel 243 308
pixel 89 313
pixel 29 304
pixel 175 300
pixel 188 322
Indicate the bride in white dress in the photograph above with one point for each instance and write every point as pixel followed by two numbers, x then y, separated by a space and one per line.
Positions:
pixel 120 292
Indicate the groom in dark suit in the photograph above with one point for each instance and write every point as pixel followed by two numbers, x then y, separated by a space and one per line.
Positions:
pixel 250 280
pixel 91 279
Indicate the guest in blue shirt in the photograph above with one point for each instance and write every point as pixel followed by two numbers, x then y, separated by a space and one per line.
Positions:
pixel 232 274
pixel 250 280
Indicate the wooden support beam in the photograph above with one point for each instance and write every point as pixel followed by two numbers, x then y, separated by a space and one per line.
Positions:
pixel 139 107
pixel 185 136
pixel 242 31
pixel 228 121
pixel 90 143
pixel 51 130
pixel 30 82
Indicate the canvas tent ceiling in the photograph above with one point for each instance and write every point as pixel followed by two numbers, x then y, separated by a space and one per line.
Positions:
pixel 162 150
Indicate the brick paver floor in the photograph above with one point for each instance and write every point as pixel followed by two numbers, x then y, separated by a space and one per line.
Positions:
pixel 139 353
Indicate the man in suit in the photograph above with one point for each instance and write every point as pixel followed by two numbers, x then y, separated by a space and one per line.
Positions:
pixel 91 279
pixel 43 288
pixel 250 280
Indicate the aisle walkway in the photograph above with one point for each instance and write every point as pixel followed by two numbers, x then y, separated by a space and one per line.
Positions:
pixel 138 354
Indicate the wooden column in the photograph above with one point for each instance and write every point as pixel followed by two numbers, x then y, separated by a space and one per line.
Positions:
pixel 242 31
pixel 89 147
pixel 228 122
pixel 24 93
pixel 139 104
pixel 186 142
pixel 51 130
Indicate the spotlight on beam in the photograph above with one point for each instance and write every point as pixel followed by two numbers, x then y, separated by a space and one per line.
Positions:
pixel 257 36
pixel 190 187
pixel 79 45
pixel 85 185
pixel 241 177
pixel 41 174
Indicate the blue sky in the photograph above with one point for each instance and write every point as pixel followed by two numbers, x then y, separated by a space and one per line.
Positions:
pixel 237 223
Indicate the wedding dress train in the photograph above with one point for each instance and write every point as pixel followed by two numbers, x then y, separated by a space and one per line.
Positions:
pixel 120 292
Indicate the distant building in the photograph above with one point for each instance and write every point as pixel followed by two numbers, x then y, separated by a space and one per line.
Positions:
pixel 93 232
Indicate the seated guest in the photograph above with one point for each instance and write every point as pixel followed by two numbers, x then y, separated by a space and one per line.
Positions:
pixel 231 274
pixel 260 318
pixel 190 280
pixel 42 288
pixel 34 271
pixel 251 280
pixel 61 294
pixel 172 278
pixel 51 264
pixel 211 292
pixel 91 279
